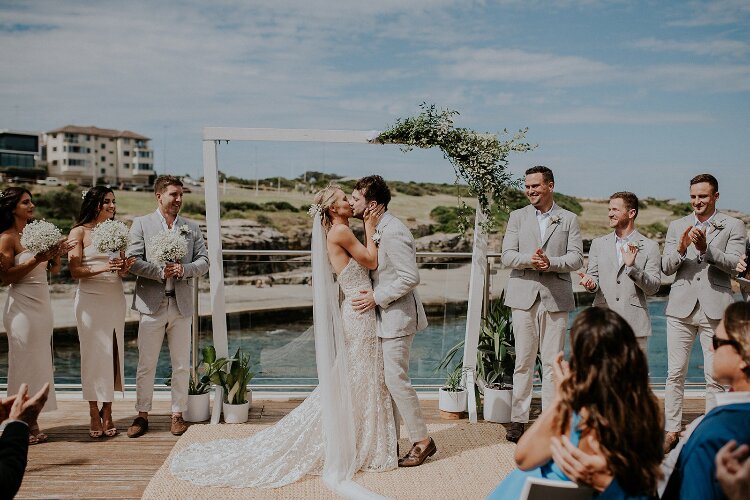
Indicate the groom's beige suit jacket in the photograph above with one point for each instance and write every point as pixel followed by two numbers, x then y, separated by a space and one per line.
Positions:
pixel 563 246
pixel 704 280
pixel 394 282
pixel 625 291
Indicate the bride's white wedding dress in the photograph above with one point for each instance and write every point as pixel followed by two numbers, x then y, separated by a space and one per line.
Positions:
pixel 295 446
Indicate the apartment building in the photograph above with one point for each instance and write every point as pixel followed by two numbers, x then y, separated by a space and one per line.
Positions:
pixel 20 155
pixel 84 154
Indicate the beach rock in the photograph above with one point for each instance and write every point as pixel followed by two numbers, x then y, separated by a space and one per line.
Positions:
pixel 443 242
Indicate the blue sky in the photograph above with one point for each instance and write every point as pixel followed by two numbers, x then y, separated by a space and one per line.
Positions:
pixel 638 95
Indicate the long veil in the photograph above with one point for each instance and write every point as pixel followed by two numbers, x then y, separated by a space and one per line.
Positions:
pixel 333 375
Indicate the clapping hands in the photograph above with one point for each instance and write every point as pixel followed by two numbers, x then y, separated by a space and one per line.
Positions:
pixel 695 236
pixel 22 407
pixel 587 282
pixel 539 260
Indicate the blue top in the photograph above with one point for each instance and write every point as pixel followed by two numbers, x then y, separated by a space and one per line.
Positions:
pixel 694 475
pixel 513 484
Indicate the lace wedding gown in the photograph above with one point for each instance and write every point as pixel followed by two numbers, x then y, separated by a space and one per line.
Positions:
pixel 295 446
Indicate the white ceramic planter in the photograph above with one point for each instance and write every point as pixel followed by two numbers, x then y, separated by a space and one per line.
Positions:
pixel 497 403
pixel 236 414
pixel 452 401
pixel 198 409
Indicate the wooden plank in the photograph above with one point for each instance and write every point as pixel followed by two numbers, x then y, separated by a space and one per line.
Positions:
pixel 72 465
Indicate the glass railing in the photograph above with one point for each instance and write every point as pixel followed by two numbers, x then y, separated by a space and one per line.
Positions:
pixel 269 315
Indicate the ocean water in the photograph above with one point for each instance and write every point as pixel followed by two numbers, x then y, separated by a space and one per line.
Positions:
pixel 284 353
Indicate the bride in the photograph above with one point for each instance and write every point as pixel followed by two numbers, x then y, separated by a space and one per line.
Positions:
pixel 346 424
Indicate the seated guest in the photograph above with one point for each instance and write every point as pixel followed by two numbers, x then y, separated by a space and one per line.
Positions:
pixel 694 474
pixel 733 470
pixel 603 405
pixel 694 471
pixel 19 414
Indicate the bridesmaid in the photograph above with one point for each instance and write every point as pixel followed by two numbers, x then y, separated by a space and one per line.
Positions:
pixel 100 311
pixel 28 310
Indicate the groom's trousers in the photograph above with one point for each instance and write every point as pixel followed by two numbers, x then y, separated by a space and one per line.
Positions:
pixel 405 400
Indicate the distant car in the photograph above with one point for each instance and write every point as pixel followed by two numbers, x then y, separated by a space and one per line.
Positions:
pixel 50 181
pixel 186 189
pixel 140 187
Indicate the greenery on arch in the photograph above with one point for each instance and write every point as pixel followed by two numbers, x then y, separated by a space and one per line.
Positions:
pixel 480 160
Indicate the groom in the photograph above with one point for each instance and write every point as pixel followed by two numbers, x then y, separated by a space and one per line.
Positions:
pixel 399 311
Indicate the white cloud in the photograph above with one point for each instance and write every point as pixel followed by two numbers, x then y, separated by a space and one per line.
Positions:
pixel 734 48
pixel 590 115
pixel 515 65
pixel 702 77
pixel 714 13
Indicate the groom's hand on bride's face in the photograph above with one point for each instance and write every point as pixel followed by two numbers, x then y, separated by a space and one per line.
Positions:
pixel 364 302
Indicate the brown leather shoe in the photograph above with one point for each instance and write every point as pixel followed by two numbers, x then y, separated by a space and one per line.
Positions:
pixel 670 441
pixel 178 425
pixel 139 427
pixel 515 432
pixel 418 454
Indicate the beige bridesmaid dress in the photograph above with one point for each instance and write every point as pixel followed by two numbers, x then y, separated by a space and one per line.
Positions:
pixel 100 308
pixel 28 323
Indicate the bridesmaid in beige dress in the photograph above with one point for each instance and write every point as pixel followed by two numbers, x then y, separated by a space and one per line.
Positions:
pixel 100 311
pixel 27 316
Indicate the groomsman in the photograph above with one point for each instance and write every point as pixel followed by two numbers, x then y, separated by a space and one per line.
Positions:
pixel 164 297
pixel 703 250
pixel 624 267
pixel 542 245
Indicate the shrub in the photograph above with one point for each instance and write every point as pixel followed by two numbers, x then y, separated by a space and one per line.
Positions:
pixel 60 204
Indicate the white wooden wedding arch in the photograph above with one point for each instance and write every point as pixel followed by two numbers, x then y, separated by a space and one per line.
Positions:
pixel 212 136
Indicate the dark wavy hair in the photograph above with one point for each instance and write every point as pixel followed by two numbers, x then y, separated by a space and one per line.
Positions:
pixel 92 204
pixel 609 380
pixel 10 198
pixel 373 187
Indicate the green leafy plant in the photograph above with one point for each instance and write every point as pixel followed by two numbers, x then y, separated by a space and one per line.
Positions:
pixel 454 382
pixel 496 353
pixel 207 371
pixel 235 378
pixel 480 159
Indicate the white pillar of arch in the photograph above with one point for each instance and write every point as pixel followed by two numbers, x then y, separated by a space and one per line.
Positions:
pixel 474 311
pixel 212 136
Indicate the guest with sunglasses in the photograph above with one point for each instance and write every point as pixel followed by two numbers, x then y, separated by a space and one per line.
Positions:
pixel 694 474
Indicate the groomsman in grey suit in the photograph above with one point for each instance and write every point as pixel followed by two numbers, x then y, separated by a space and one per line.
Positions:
pixel 399 310
pixel 542 245
pixel 702 250
pixel 164 297
pixel 624 267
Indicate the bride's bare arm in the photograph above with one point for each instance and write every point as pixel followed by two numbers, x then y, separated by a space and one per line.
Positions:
pixel 343 236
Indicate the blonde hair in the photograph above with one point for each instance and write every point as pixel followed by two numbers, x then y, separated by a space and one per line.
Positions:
pixel 737 326
pixel 324 199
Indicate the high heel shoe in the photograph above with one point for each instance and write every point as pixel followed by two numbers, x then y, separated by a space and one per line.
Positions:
pixel 96 434
pixel 111 432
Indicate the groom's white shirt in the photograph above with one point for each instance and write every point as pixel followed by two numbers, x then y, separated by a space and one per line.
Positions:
pixel 394 282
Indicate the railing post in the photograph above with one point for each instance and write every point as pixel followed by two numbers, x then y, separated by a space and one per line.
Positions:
pixel 195 330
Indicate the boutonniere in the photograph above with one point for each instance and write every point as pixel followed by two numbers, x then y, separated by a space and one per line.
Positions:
pixel 184 230
pixel 554 219
pixel 717 225
pixel 376 237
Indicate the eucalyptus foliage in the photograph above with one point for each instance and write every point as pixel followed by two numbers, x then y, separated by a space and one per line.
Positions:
pixel 479 159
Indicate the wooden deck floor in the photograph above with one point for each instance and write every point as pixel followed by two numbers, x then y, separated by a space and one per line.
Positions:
pixel 72 465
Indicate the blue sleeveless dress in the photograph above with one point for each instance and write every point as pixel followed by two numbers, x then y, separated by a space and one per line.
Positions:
pixel 513 483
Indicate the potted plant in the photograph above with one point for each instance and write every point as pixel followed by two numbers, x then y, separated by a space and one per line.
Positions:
pixel 201 378
pixel 496 359
pixel 452 396
pixel 237 396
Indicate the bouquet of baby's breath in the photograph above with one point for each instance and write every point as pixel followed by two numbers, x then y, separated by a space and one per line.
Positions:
pixel 167 246
pixel 110 236
pixel 39 236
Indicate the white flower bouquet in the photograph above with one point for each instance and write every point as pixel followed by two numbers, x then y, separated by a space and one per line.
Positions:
pixel 167 246
pixel 39 236
pixel 110 236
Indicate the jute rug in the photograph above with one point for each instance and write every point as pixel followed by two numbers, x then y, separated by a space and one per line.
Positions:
pixel 471 460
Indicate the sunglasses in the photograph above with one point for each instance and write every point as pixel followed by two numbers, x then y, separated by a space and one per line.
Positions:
pixel 717 342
